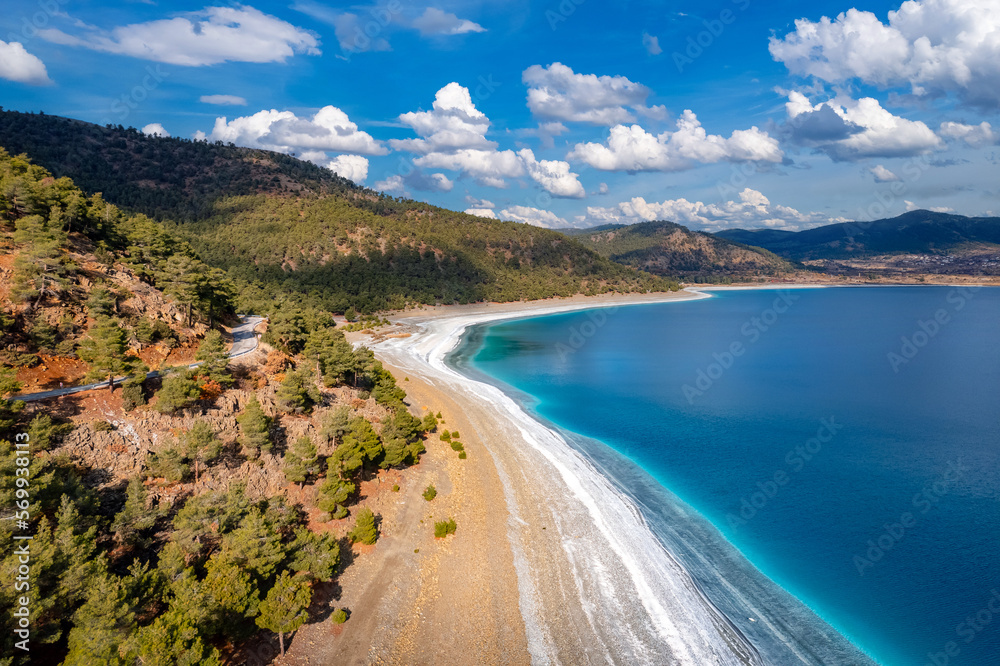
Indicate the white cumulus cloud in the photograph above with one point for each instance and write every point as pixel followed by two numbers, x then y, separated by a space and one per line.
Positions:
pixel 651 43
pixel 223 100
pixel 208 37
pixel 866 129
pixel 437 22
pixel 283 131
pixel 17 65
pixel 932 46
pixel 882 175
pixel 534 216
pixel 632 148
pixel 482 212
pixel 154 129
pixel 974 135
pixel 351 167
pixel 452 135
pixel 558 93
pixel 752 210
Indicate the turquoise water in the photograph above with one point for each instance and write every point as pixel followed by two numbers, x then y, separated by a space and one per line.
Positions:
pixel 846 441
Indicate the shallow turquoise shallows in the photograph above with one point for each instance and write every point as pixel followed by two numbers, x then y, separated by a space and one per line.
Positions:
pixel 846 441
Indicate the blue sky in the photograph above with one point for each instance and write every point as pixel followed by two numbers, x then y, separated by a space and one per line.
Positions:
pixel 734 113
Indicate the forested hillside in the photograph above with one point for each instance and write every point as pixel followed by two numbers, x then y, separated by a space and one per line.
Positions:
pixel 173 520
pixel 666 248
pixel 286 230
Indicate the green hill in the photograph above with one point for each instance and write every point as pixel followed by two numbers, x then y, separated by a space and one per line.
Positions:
pixel 289 231
pixel 918 231
pixel 666 248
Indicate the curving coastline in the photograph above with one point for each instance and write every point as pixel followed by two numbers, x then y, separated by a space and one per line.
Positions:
pixel 606 572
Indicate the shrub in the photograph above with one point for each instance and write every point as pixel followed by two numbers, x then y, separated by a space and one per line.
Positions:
pixel 444 527
pixel 430 493
pixel 364 528
pixel 445 436
pixel 340 512
pixel 429 424
pixel 179 391
pixel 169 464
pixel 455 435
pixel 132 394
pixel 395 487
pixel 103 426
pixel 339 616
pixel 457 446
pixel 463 455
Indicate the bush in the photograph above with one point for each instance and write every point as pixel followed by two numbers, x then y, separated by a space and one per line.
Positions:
pixel 179 391
pixel 364 528
pixel 132 394
pixel 169 464
pixel 463 455
pixel 102 426
pixel 457 446
pixel 430 493
pixel 395 487
pixel 444 527
pixel 429 424
pixel 340 512
pixel 339 616
pixel 455 435
pixel 445 436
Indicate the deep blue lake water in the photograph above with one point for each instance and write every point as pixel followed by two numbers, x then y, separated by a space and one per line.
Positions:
pixel 847 441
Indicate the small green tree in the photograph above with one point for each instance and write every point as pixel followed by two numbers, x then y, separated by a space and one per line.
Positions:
pixel 214 358
pixel 339 616
pixel 301 461
pixel 333 493
pixel 255 427
pixel 102 625
pixel 134 518
pixel 172 640
pixel 201 446
pixel 364 528
pixel 133 394
pixel 430 493
pixel 286 607
pixel 104 350
pixel 315 556
pixel 100 303
pixel 430 423
pixel 334 423
pixel 169 463
pixel 179 391
pixel 297 393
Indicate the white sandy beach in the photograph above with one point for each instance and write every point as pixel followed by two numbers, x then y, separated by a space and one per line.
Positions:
pixel 594 583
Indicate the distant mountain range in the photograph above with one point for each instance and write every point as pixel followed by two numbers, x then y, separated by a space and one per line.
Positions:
pixel 915 232
pixel 666 248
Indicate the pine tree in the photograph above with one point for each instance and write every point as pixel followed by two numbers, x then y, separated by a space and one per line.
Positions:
pixel 135 517
pixel 40 268
pixel 333 493
pixel 255 427
pixel 286 607
pixel 102 625
pixel 230 596
pixel 169 463
pixel 172 640
pixel 179 391
pixel 104 350
pixel 301 461
pixel 315 556
pixel 201 446
pixel 364 528
pixel 334 422
pixel 214 358
pixel 297 393
pixel 254 545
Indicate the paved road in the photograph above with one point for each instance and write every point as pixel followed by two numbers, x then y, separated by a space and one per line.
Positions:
pixel 244 342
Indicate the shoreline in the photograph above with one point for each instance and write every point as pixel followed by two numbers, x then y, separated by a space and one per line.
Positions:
pixel 602 550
